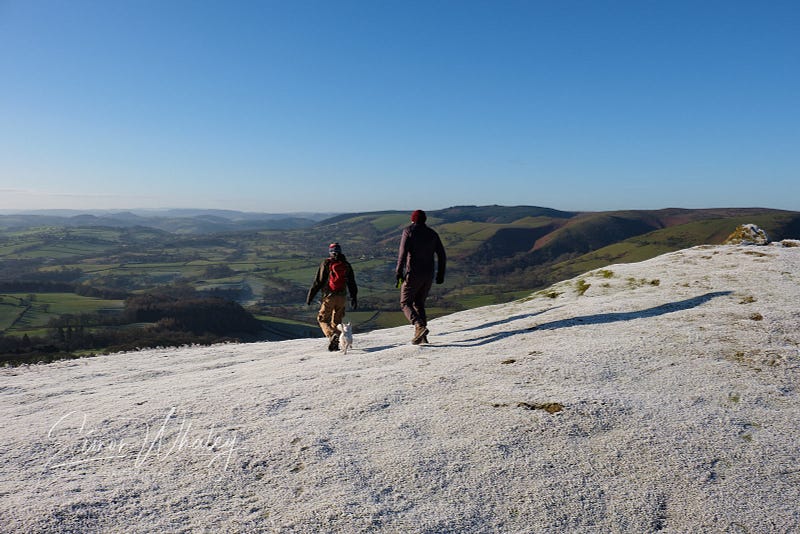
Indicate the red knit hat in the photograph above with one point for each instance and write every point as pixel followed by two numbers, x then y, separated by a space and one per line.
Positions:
pixel 418 216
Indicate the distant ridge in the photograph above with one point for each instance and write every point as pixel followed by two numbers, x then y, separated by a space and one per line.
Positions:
pixel 186 221
pixel 490 214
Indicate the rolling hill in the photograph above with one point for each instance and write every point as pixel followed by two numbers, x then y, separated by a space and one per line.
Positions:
pixel 535 235
pixel 506 249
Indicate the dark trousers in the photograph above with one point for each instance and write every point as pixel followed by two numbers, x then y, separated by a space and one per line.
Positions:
pixel 412 298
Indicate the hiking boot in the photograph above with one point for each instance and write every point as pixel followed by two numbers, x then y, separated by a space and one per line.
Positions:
pixel 334 344
pixel 420 332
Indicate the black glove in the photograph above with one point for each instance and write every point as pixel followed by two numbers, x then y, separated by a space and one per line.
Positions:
pixel 399 280
pixel 354 303
pixel 440 279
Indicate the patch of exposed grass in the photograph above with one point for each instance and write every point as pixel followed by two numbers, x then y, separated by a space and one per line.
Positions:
pixel 757 359
pixel 747 433
pixel 739 356
pixel 551 294
pixel 549 407
pixel 756 317
pixel 755 253
pixel 640 282
pixel 749 299
pixel 581 286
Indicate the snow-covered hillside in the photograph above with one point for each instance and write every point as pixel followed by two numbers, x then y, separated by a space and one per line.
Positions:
pixel 663 396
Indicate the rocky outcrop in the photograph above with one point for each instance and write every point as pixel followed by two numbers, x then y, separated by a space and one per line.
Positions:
pixel 747 234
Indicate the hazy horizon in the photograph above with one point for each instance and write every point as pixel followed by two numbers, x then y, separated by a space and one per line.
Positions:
pixel 316 214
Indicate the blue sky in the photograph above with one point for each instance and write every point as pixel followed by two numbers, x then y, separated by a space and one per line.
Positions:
pixel 355 106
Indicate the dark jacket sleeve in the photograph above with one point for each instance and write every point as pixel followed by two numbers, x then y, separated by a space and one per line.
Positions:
pixel 402 254
pixel 352 288
pixel 441 259
pixel 319 281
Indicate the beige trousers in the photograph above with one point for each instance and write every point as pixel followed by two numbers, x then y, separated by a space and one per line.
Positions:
pixel 331 313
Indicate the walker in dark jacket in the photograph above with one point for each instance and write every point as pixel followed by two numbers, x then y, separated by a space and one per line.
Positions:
pixel 415 270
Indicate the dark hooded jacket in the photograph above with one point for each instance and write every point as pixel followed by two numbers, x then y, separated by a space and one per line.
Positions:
pixel 418 245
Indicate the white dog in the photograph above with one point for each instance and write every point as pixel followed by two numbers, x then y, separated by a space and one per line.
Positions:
pixel 346 339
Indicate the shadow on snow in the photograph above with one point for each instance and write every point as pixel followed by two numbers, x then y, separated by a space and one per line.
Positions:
pixel 601 318
pixel 506 321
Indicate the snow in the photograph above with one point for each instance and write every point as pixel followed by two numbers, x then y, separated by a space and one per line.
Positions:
pixel 672 386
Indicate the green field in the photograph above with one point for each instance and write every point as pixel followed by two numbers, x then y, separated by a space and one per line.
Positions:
pixel 28 313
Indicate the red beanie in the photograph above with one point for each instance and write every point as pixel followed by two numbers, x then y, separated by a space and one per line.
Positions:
pixel 418 216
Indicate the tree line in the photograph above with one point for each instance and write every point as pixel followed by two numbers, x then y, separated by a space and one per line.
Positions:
pixel 166 317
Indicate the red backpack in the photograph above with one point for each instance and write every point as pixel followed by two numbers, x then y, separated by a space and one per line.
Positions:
pixel 337 276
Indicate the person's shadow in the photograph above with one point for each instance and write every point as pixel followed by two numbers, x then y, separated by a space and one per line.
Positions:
pixel 507 320
pixel 601 318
